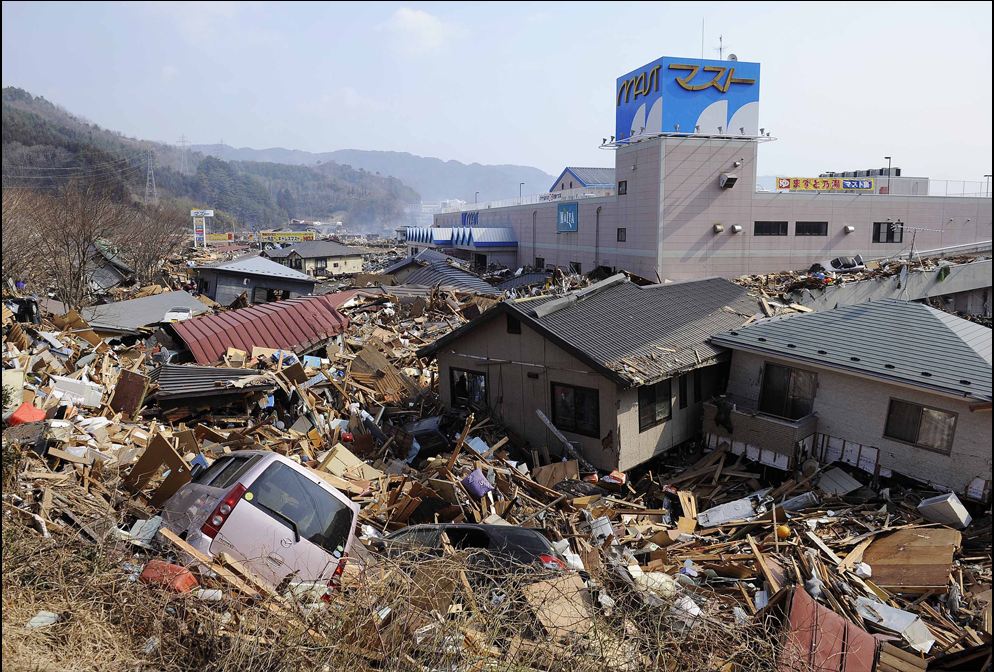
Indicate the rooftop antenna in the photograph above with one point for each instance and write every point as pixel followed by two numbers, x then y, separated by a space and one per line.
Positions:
pixel 720 50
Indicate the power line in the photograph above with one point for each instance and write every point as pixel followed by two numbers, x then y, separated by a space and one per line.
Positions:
pixel 183 143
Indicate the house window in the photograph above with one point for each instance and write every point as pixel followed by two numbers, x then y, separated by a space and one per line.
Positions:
pixel 683 391
pixel 572 184
pixel 771 228
pixel 655 404
pixel 468 388
pixel 622 188
pixel 811 228
pixel 575 409
pixel 887 232
pixel 787 392
pixel 924 427
pixel 540 263
pixel 512 325
pixel 576 267
pixel 621 235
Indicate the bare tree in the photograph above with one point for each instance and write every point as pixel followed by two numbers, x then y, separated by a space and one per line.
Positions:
pixel 70 229
pixel 20 259
pixel 156 233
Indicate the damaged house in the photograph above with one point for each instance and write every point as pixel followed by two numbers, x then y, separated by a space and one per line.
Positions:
pixel 318 258
pixel 619 369
pixel 887 386
pixel 259 278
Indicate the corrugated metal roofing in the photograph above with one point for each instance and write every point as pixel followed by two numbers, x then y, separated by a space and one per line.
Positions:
pixel 297 325
pixel 636 334
pixel 254 265
pixel 442 274
pixel 588 177
pixel 315 249
pixel 894 340
pixel 425 255
pixel 128 316
pixel 178 381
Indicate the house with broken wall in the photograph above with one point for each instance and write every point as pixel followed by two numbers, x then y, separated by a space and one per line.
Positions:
pixel 318 257
pixel 621 370
pixel 259 278
pixel 888 386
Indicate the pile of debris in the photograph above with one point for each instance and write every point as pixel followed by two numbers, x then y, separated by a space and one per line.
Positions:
pixel 706 563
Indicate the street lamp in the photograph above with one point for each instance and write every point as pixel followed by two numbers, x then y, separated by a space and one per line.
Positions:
pixel 520 191
pixel 988 178
pixel 888 178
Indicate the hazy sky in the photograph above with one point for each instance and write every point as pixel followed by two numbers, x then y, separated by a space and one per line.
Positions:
pixel 842 84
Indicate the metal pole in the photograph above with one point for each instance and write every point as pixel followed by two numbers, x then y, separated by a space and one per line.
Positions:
pixel 520 191
pixel 475 196
pixel 888 178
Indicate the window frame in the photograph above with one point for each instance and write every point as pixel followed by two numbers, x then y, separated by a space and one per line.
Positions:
pixel 554 418
pixel 469 402
pixel 513 325
pixel 824 227
pixel 621 188
pixel 916 442
pixel 539 262
pixel 575 267
pixel 621 234
pixel 786 405
pixel 782 228
pixel 657 387
pixel 878 228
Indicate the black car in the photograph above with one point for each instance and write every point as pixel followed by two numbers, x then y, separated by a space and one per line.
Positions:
pixel 500 547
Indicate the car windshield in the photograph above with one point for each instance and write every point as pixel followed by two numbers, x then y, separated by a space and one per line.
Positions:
pixel 284 494
pixel 521 545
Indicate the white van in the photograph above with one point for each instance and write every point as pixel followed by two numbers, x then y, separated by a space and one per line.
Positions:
pixel 268 512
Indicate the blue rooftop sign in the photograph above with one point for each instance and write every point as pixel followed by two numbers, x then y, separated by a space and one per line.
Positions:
pixel 676 95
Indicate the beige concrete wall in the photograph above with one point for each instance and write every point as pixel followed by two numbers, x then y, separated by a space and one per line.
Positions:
pixel 514 396
pixel 637 447
pixel 672 237
pixel 334 266
pixel 854 409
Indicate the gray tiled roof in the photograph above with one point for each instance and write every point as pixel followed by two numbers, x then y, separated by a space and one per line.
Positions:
pixel 315 249
pixel 637 335
pixel 254 265
pixel 589 177
pixel 134 313
pixel 524 280
pixel 897 341
pixel 425 255
pixel 441 273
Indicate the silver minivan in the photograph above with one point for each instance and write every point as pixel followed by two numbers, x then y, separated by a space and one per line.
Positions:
pixel 279 519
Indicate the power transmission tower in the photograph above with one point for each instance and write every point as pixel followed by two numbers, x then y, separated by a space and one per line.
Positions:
pixel 151 197
pixel 183 143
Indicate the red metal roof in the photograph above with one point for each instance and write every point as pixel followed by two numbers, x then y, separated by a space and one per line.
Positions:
pixel 297 325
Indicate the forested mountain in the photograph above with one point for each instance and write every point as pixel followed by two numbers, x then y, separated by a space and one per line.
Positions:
pixel 433 178
pixel 44 146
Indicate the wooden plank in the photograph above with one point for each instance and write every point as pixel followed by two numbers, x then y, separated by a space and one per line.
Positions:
pixel 763 566
pixel 223 572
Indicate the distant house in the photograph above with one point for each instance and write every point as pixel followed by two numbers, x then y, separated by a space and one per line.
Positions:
pixel 262 280
pixel 621 370
pixel 319 258
pixel 105 269
pixel 574 177
pixel 401 269
pixel 887 386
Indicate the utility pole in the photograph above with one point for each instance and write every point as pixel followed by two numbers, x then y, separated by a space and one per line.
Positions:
pixel 151 197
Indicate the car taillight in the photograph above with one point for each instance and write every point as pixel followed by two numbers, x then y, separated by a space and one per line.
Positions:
pixel 222 511
pixel 551 562
pixel 346 437
pixel 335 583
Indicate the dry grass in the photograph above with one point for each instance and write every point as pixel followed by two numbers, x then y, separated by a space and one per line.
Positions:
pixel 111 622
